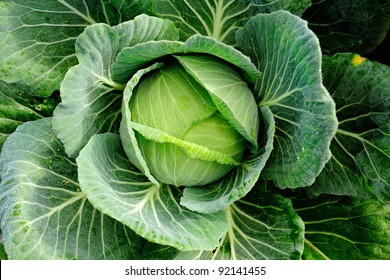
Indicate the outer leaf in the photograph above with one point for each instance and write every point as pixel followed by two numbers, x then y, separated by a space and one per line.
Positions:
pixel 262 226
pixel 129 60
pixel 119 190
pixel 219 19
pixel 44 215
pixel 37 39
pixel 130 9
pixel 349 25
pixel 17 106
pixel 91 100
pixel 360 164
pixel 345 228
pixel 217 196
pixel 288 55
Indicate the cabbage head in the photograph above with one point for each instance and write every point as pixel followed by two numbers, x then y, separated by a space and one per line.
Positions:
pixel 200 139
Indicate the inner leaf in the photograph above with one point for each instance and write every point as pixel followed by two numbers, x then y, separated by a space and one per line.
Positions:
pixel 194 151
pixel 229 92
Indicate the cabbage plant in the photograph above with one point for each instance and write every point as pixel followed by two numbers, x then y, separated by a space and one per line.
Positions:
pixel 182 130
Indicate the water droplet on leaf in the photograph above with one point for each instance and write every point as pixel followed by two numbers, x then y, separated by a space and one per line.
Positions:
pixel 17 239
